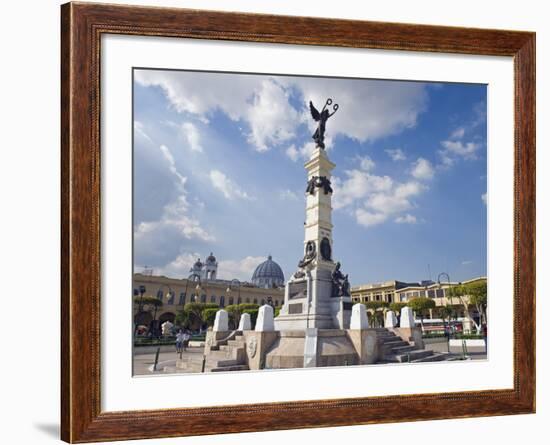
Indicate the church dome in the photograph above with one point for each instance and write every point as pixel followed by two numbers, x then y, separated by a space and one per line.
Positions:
pixel 268 274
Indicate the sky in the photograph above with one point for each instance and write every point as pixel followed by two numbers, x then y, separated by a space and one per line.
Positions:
pixel 219 167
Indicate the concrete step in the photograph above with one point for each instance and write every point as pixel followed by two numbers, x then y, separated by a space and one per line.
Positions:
pixel 412 355
pixel 219 363
pixel 237 343
pixel 230 368
pixel 435 357
pixel 402 349
pixel 239 338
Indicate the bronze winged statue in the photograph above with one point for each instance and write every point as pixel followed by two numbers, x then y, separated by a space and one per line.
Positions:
pixel 321 117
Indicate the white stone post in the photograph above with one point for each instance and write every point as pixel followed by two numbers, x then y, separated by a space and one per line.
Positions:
pixel 359 319
pixel 265 322
pixel 391 320
pixel 221 323
pixel 407 318
pixel 244 323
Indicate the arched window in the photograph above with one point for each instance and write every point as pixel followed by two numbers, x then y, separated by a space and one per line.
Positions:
pixel 203 298
pixel 230 300
pixel 160 294
pixel 171 297
pixel 212 299
pixel 222 301
pixel 182 298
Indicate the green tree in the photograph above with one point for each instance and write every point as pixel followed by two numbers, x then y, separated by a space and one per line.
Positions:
pixel 421 305
pixel 472 295
pixel 446 313
pixel 236 310
pixel 192 314
pixel 154 303
pixel 376 310
pixel 209 316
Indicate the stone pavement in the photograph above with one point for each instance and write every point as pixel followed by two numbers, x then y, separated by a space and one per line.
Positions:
pixel 143 362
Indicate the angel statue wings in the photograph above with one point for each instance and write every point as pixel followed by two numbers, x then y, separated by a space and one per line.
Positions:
pixel 322 118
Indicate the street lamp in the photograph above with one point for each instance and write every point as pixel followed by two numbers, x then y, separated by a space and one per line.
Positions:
pixel 140 291
pixel 230 289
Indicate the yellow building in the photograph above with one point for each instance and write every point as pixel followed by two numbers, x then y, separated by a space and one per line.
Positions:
pixel 401 292
pixel 203 286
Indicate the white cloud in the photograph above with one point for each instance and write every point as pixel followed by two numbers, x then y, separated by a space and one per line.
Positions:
pixel 369 109
pixel 406 219
pixel 366 163
pixel 271 118
pixel 140 131
pixel 304 152
pixel 458 133
pixel 288 195
pixel 484 198
pixel 396 154
pixel 191 134
pixel 464 150
pixel 422 169
pixel 226 186
pixel 357 185
pixel 174 217
pixel 368 219
pixel 241 269
pixel 373 199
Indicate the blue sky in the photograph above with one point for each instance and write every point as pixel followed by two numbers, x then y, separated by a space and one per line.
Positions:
pixel 218 166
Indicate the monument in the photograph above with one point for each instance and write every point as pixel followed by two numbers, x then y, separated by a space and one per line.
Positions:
pixel 318 293
pixel 318 325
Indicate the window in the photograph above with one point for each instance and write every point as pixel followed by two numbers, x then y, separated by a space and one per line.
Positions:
pixel 431 293
pixel 248 300
pixel 263 301
pixel 212 299
pixel 440 293
pixel 171 297
pixel 230 300
pixel 160 294
pixel 255 301
pixel 222 301
pixel 239 300
pixel 203 298
pixel 182 298
pixel 276 303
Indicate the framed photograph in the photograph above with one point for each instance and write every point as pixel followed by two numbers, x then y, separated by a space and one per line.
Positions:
pixel 275 222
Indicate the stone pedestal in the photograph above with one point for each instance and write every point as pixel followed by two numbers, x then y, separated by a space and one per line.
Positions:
pixel 407 318
pixel 221 322
pixel 391 320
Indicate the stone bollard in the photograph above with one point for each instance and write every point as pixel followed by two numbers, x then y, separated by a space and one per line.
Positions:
pixel 359 319
pixel 407 318
pixel 244 323
pixel 221 323
pixel 391 320
pixel 265 323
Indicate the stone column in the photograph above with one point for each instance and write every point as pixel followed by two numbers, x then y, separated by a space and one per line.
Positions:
pixel 359 319
pixel 221 323
pixel 265 322
pixel 244 323
pixel 391 320
pixel 407 318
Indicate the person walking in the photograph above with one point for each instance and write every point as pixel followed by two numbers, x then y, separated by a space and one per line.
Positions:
pixel 180 341
pixel 186 338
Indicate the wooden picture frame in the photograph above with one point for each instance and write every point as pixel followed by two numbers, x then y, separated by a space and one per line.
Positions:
pixel 82 26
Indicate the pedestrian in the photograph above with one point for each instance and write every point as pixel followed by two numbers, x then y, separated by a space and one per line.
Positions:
pixel 186 338
pixel 180 341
